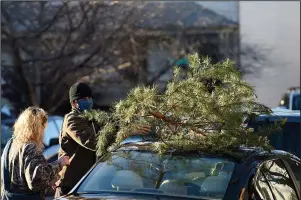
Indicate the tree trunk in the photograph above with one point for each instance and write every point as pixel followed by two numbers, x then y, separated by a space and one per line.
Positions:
pixel 29 91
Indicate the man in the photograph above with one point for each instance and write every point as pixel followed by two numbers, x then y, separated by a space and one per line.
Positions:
pixel 78 139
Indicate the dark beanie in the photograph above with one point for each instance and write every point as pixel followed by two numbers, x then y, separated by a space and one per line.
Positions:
pixel 79 91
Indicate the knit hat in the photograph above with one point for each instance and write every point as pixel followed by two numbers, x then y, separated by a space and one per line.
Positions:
pixel 79 91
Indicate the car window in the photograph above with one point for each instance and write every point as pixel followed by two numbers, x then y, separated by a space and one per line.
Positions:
pixel 50 151
pixel 172 175
pixel 279 180
pixel 59 123
pixel 295 166
pixel 262 187
pixel 51 131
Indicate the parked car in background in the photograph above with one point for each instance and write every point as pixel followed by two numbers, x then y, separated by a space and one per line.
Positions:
pixel 6 130
pixel 134 171
pixel 291 99
pixel 6 133
pixel 288 139
pixel 51 153
pixel 8 121
pixel 51 132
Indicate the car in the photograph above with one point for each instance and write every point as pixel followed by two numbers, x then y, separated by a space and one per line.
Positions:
pixel 52 130
pixel 8 121
pixel 6 133
pixel 288 139
pixel 291 99
pixel 51 153
pixel 135 171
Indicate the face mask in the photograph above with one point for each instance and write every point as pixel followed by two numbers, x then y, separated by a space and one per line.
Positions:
pixel 85 104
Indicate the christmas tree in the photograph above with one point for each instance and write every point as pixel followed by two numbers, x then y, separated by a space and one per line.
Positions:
pixel 200 111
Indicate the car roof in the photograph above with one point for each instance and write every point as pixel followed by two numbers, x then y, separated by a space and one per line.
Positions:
pixel 241 154
pixel 280 111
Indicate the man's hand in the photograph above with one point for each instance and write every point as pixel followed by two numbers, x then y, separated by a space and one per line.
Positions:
pixel 64 161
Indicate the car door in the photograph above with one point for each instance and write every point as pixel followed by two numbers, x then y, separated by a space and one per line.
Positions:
pixel 294 166
pixel 274 181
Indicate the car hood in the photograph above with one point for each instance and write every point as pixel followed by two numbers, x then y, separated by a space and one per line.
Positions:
pixel 122 197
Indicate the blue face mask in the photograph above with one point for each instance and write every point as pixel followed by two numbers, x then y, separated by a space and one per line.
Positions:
pixel 85 104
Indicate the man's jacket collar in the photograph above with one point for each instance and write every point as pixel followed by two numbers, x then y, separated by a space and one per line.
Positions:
pixel 75 110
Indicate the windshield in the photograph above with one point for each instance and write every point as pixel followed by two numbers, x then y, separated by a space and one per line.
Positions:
pixel 136 171
pixel 296 102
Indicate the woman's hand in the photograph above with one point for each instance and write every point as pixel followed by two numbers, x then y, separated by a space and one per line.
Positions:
pixel 53 187
pixel 64 161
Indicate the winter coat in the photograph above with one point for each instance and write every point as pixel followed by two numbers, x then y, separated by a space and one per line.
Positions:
pixel 29 170
pixel 78 141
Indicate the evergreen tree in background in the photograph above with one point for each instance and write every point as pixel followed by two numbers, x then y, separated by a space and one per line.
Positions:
pixel 203 111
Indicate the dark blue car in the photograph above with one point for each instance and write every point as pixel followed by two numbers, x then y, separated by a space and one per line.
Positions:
pixel 134 171
pixel 288 139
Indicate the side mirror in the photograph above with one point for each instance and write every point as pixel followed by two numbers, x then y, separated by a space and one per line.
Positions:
pixel 53 141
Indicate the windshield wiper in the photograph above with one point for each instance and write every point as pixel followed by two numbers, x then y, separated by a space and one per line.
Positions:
pixel 93 192
pixel 159 194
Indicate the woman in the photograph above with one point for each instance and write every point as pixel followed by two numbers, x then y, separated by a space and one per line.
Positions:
pixel 25 174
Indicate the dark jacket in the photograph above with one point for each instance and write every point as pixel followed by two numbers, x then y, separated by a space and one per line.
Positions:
pixel 30 173
pixel 78 141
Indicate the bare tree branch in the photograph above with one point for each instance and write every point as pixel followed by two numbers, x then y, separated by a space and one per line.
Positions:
pixel 82 38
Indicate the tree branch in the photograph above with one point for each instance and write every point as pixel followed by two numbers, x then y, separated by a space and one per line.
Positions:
pixel 45 28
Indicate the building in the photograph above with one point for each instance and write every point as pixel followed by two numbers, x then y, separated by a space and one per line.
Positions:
pixel 188 23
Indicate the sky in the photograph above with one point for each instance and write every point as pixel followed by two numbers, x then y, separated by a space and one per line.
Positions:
pixel 226 8
pixel 275 27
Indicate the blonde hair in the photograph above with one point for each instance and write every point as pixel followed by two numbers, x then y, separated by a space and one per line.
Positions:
pixel 30 126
